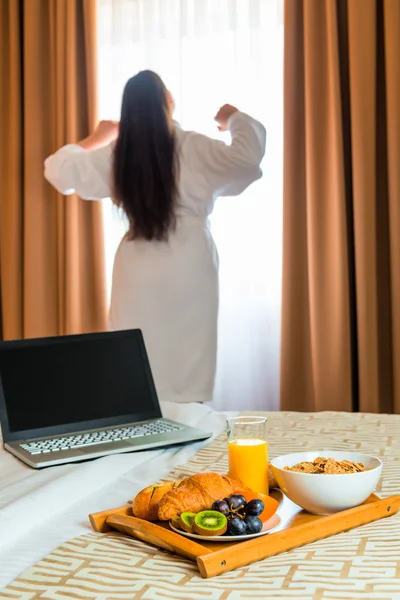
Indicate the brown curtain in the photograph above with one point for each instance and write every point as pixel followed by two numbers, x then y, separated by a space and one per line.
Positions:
pixel 341 224
pixel 51 248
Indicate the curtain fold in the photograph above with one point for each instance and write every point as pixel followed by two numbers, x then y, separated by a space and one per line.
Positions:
pixel 341 260
pixel 392 54
pixel 51 248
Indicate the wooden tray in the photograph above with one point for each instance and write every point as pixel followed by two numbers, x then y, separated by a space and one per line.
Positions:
pixel 297 528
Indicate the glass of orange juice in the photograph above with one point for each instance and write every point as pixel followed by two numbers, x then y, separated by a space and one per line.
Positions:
pixel 248 451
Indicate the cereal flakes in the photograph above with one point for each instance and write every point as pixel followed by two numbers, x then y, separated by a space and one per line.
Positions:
pixel 329 466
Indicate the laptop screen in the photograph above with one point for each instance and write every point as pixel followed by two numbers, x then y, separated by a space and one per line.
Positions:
pixel 64 384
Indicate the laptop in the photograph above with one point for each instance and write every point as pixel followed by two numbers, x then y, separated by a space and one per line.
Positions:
pixel 78 397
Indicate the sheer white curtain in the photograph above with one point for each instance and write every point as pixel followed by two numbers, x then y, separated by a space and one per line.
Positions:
pixel 210 52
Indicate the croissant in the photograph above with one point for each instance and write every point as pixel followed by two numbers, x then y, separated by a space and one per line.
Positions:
pixel 197 493
pixel 203 489
pixel 145 504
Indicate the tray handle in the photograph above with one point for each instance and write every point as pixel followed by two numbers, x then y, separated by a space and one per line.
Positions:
pixel 157 536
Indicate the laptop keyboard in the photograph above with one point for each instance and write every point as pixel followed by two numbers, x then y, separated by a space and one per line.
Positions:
pixel 100 437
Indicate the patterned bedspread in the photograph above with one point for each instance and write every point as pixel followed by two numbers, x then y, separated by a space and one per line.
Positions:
pixel 359 564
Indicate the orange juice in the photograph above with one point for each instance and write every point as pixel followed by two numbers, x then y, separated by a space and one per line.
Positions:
pixel 248 461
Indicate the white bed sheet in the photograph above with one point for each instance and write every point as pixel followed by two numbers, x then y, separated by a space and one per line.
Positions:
pixel 41 509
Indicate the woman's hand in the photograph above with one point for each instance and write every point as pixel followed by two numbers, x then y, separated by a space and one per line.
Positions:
pixel 223 115
pixel 105 133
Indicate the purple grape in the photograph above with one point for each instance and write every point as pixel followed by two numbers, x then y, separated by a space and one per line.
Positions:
pixel 236 502
pixel 237 526
pixel 221 506
pixel 254 507
pixel 252 524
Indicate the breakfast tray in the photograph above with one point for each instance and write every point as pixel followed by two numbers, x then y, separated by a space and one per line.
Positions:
pixel 296 528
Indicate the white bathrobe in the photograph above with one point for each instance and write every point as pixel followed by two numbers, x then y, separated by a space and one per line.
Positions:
pixel 169 290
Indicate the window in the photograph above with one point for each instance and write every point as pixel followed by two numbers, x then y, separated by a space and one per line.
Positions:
pixel 210 52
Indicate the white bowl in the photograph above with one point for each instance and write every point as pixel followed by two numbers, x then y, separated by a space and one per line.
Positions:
pixel 325 494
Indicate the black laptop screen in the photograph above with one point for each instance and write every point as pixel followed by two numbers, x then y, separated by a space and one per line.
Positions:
pixel 90 378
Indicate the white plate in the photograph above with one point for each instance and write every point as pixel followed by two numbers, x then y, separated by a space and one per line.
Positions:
pixel 269 526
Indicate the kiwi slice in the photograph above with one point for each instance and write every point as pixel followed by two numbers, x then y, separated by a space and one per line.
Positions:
pixel 186 521
pixel 210 522
pixel 176 522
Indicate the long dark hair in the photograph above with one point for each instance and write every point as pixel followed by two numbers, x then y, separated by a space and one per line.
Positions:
pixel 145 159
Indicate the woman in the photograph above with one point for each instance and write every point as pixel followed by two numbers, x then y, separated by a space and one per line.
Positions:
pixel 166 180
